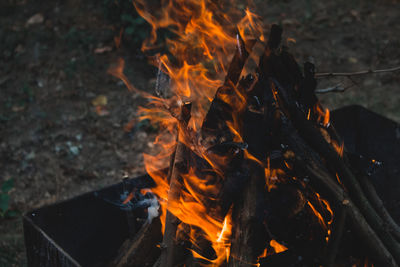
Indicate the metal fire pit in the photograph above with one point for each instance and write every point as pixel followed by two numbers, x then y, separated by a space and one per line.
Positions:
pixel 89 229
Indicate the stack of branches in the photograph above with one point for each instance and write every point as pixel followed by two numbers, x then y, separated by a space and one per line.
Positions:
pixel 278 118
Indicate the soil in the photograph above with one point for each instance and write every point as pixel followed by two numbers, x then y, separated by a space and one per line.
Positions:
pixel 55 144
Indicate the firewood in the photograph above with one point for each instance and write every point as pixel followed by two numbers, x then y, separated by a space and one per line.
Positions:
pixel 244 248
pixel 167 258
pixel 140 250
pixel 282 96
pixel 336 236
pixel 308 161
pixel 274 64
pixel 214 129
pixel 378 205
pixel 362 72
pixel 378 250
pixel 247 234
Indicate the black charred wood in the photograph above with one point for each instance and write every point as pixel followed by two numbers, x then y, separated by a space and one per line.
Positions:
pixel 249 235
pixel 214 128
pixel 238 61
pixel 307 88
pixel 275 36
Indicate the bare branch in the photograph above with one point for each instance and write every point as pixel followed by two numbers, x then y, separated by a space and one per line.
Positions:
pixel 347 74
pixel 336 88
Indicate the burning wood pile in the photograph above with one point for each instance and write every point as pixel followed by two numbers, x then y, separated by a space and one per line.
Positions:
pixel 261 177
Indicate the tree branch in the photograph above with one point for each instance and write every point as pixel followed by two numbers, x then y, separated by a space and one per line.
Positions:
pixel 347 74
pixel 337 88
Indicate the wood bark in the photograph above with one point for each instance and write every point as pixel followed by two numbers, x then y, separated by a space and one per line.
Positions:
pixel 246 223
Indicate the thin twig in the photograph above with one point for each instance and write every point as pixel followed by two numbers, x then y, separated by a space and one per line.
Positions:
pixel 334 89
pixel 331 74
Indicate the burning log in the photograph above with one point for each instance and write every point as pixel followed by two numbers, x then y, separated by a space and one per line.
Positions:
pixel 168 254
pixel 365 219
pixel 248 236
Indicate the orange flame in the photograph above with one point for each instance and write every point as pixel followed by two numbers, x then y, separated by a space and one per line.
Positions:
pixel 277 246
pixel 195 60
pixel 324 204
pixel 326 118
pixel 338 148
pixel 323 115
pixel 128 198
pixel 196 63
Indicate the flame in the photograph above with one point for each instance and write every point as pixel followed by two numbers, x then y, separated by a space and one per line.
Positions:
pixel 277 247
pixel 195 56
pixel 196 61
pixel 338 148
pixel 128 198
pixel 317 214
pixel 272 175
pixel 323 116
pixel 326 118
pixel 264 254
pixel 251 23
pixel 291 40
pixel 326 224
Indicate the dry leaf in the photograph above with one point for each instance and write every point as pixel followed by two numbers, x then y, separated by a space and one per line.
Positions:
pixel 104 49
pixel 35 19
pixel 353 60
pixel 17 108
pixel 100 100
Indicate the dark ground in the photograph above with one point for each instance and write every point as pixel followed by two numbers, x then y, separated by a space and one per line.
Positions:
pixel 55 145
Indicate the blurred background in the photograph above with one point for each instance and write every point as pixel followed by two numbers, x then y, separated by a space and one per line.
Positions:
pixel 68 127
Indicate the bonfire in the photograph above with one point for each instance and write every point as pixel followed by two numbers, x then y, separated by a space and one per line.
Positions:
pixel 250 169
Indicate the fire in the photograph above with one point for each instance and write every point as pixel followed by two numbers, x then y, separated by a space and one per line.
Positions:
pixel 326 118
pixel 323 116
pixel 128 198
pixel 277 247
pixel 271 176
pixel 324 205
pixel 338 148
pixel 195 58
